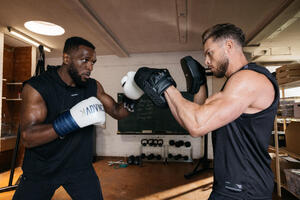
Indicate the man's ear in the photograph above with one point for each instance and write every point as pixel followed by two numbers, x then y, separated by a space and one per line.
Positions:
pixel 66 58
pixel 229 45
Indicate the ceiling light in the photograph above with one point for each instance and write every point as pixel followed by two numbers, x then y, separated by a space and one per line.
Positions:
pixel 26 38
pixel 44 28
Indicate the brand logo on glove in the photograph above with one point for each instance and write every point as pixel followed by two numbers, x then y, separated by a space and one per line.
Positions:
pixel 92 109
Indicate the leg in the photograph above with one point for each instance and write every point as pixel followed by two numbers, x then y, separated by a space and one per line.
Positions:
pixel 84 184
pixel 34 189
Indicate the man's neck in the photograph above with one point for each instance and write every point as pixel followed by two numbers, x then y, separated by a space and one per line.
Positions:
pixel 64 75
pixel 235 65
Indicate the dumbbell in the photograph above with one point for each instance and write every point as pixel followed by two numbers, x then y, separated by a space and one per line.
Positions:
pixel 144 142
pixel 171 142
pixel 179 143
pixel 187 144
pixel 143 156
pixel 155 142
pixel 137 160
pixel 160 142
pixel 178 156
pixel 158 157
pixel 150 142
pixel 150 156
pixel 185 157
pixel 130 160
pixel 170 155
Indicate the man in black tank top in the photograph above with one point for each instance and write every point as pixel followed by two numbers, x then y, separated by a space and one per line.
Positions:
pixel 240 116
pixel 59 108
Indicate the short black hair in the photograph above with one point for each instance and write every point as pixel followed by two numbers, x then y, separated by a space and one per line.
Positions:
pixel 224 31
pixel 73 43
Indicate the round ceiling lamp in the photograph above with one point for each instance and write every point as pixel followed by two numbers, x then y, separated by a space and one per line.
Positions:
pixel 44 28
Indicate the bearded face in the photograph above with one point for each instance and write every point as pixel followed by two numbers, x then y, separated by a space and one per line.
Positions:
pixel 221 68
pixel 77 78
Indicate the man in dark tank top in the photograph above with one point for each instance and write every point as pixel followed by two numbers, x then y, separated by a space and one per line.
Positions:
pixel 59 109
pixel 240 116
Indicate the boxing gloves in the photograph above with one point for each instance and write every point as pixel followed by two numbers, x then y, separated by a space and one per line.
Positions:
pixel 87 112
pixel 194 73
pixel 154 82
pixel 131 91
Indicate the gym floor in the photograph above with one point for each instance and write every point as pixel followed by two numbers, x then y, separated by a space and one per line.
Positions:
pixel 151 181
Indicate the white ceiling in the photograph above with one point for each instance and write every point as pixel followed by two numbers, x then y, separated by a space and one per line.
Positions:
pixel 124 27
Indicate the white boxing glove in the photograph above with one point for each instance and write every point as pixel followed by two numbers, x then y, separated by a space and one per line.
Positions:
pixel 131 90
pixel 87 112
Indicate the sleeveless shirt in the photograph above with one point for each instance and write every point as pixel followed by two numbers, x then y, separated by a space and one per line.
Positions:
pixel 75 151
pixel 241 160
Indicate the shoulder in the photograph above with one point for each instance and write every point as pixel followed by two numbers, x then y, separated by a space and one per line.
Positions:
pixel 249 79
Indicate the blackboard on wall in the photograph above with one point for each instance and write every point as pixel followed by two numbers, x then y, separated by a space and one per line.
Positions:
pixel 149 119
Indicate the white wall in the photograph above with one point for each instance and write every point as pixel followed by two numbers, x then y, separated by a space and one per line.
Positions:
pixel 108 71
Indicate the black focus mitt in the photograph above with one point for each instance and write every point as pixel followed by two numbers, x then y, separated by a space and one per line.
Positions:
pixel 194 73
pixel 154 82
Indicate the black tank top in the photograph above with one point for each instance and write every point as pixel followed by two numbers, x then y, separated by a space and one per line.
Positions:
pixel 75 151
pixel 241 160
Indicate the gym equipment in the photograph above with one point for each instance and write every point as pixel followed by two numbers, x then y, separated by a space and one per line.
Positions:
pixel 155 142
pixel 171 142
pixel 130 160
pixel 144 142
pixel 12 168
pixel 160 142
pixel 179 143
pixel 204 160
pixel 187 144
pixel 177 157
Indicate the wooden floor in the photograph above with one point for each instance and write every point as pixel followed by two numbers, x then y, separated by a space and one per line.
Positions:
pixel 152 181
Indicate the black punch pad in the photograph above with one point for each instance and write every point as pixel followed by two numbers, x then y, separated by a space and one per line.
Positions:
pixel 191 70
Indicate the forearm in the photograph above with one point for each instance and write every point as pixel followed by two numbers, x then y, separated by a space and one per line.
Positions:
pixel 188 113
pixel 201 95
pixel 173 110
pixel 119 112
pixel 37 135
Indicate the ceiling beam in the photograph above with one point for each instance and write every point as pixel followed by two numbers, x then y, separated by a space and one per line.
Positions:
pixel 273 22
pixel 181 11
pixel 105 34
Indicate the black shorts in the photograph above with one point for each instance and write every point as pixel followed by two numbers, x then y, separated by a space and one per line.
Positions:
pixel 82 184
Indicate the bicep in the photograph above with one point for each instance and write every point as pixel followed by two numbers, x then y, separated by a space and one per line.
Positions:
pixel 33 108
pixel 224 107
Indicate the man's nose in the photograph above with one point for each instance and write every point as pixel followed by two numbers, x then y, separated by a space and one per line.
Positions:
pixel 90 65
pixel 207 61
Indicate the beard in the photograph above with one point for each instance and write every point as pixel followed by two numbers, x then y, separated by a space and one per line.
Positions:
pixel 222 68
pixel 76 77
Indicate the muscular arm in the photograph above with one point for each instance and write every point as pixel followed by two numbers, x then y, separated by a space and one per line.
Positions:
pixel 33 113
pixel 116 110
pixel 199 98
pixel 201 95
pixel 245 92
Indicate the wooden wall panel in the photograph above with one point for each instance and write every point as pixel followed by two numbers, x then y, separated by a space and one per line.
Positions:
pixel 22 64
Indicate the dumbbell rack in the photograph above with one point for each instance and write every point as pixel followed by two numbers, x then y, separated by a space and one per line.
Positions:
pixel 180 153
pixel 174 151
pixel 152 148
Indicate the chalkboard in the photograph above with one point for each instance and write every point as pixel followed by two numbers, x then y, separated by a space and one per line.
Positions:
pixel 149 119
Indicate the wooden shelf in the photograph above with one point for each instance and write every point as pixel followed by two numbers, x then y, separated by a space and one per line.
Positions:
pixel 290 85
pixel 291 154
pixel 16 99
pixel 14 83
pixel 287 189
pixel 294 119
pixel 283 150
